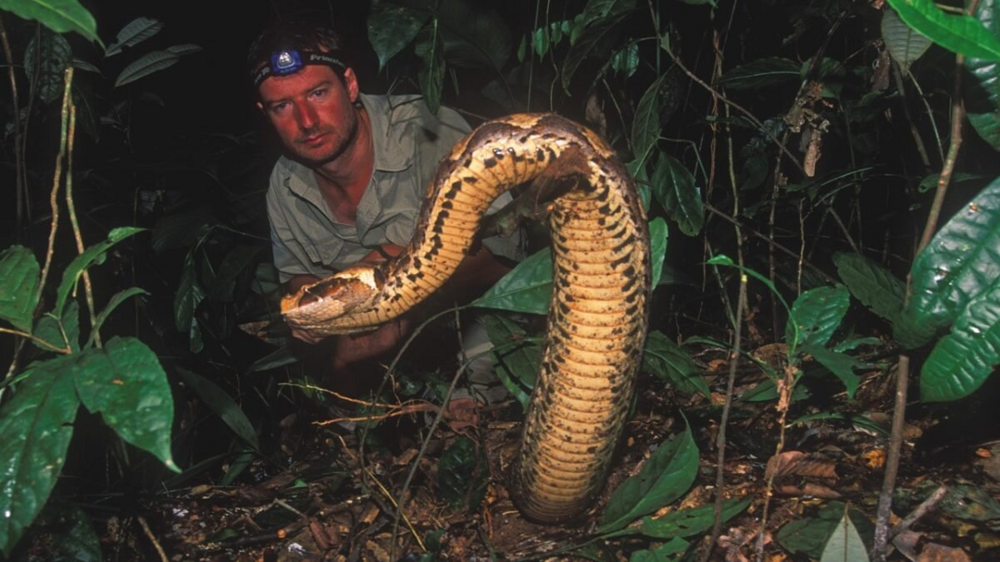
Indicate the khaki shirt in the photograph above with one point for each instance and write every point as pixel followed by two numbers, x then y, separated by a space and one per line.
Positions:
pixel 409 142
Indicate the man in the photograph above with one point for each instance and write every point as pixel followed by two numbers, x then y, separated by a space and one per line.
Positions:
pixel 353 178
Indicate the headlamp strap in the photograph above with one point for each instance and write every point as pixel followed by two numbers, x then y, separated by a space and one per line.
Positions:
pixel 290 61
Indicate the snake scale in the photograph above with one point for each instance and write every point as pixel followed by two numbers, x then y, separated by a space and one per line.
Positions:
pixel 599 307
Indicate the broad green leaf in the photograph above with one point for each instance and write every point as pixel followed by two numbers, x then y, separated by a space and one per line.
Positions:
pixel 840 364
pixel 657 248
pixel 526 288
pixel 817 314
pixel 93 254
pixel 540 41
pixel 392 27
pixel 882 292
pixel 809 535
pixel 113 303
pixel 674 188
pixel 515 357
pixel 690 522
pixel 36 424
pixel 968 502
pixel 958 33
pixel 473 34
pixel 767 390
pixel 179 230
pixel 222 405
pixel 845 544
pixel 646 124
pixel 626 60
pixel 58 15
pixel 184 49
pixel 662 553
pixel 670 363
pixel 20 275
pixel 125 383
pixel 134 32
pixel 963 179
pixel 69 534
pixel 431 75
pixel 189 295
pixel 462 474
pixel 49 53
pixel 48 329
pixel 762 73
pixel 150 63
pixel 238 260
pixel 961 261
pixel 663 478
pixel 982 94
pixel 962 360
pixel 905 45
pixel 598 23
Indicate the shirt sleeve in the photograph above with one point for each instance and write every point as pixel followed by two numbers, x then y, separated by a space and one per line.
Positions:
pixel 289 256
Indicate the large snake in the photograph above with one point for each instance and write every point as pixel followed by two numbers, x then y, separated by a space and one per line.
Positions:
pixel 599 308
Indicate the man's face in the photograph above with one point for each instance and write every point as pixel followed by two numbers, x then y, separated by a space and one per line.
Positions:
pixel 312 111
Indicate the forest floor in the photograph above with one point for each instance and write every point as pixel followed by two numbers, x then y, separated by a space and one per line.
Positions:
pixel 326 505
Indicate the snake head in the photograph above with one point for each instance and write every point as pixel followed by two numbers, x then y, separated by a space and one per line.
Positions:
pixel 331 306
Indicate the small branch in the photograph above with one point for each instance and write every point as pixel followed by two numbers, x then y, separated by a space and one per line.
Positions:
pixel 152 538
pixel 921 510
pixel 20 186
pixel 71 206
pixel 39 341
pixel 917 140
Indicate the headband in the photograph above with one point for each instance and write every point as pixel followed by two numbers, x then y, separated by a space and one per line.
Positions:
pixel 291 61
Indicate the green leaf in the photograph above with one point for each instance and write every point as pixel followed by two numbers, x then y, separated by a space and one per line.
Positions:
pixel 809 535
pixel 963 179
pixel 462 474
pixel 392 27
pixel 962 360
pixel 36 424
pixel 180 230
pixel 50 54
pixel 845 544
pixel 125 383
pixel 840 364
pixel 48 329
pixel 961 262
pixel 113 303
pixel 626 60
pixel 58 15
pixel 961 34
pixel 817 314
pixel 150 63
pixel 134 32
pixel 674 188
pixel 762 73
pixel 853 419
pixel 663 478
pixel 189 295
pixel 277 358
pixel 222 405
pixel 690 522
pixel 646 125
pixel 982 94
pixel 598 22
pixel 184 49
pixel 237 261
pixel 474 35
pixel 70 536
pixel 20 275
pixel 540 41
pixel 515 356
pixel 431 75
pixel 669 363
pixel 905 45
pixel 662 553
pixel 526 288
pixel 93 254
pixel 657 247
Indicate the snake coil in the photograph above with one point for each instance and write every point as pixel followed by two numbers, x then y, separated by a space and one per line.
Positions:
pixel 599 308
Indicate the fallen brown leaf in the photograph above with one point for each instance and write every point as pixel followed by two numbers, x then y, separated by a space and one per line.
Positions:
pixel 939 553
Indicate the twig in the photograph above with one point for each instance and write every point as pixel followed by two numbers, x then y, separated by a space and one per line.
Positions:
pixel 921 510
pixel 152 538
pixel 71 207
pixel 786 386
pixel 21 186
pixel 881 542
pixel 917 140
pixel 64 350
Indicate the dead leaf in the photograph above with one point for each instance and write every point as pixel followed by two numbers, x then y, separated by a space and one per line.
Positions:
pixel 939 553
pixel 874 458
pixel 906 542
pixel 797 463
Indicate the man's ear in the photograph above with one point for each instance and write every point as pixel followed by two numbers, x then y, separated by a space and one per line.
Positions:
pixel 260 106
pixel 351 83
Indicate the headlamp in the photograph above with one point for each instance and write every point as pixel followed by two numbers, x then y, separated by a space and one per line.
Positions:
pixel 290 61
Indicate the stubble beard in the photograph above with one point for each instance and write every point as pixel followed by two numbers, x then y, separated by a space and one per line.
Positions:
pixel 340 142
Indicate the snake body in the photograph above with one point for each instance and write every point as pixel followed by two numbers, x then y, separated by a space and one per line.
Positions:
pixel 599 307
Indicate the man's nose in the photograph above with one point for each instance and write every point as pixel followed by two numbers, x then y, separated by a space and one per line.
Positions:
pixel 307 117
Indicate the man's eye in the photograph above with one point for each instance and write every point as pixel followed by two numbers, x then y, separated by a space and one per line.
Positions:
pixel 278 107
pixel 320 93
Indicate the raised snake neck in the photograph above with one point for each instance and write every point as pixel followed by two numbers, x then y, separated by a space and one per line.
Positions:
pixel 599 308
